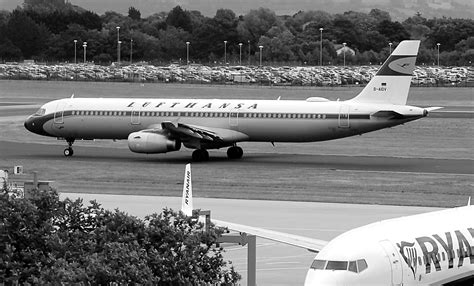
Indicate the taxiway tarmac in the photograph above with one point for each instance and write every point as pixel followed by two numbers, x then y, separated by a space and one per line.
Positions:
pixel 277 264
pixel 296 177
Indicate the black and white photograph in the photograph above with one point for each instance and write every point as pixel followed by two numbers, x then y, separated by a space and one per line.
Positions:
pixel 218 142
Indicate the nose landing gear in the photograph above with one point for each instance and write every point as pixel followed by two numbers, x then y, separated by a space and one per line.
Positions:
pixel 68 152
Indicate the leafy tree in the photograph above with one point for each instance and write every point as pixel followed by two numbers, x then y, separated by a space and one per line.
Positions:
pixel 393 31
pixel 210 36
pixel 179 18
pixel 256 23
pixel 45 6
pixel 449 32
pixel 277 44
pixel 172 43
pixel 134 13
pixel 379 15
pixel 25 34
pixel 48 241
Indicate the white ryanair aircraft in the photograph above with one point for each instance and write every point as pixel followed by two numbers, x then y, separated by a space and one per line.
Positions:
pixel 435 248
pixel 163 125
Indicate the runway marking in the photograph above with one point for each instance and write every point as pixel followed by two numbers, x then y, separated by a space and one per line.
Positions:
pixel 404 172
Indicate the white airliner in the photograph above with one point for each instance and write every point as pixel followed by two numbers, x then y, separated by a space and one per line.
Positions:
pixel 162 125
pixel 435 248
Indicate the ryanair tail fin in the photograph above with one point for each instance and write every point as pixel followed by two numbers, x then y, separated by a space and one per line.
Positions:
pixel 187 199
pixel 392 82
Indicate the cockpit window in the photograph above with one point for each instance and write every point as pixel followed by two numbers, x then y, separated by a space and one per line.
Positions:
pixel 361 265
pixel 352 266
pixel 336 265
pixel 318 264
pixel 40 112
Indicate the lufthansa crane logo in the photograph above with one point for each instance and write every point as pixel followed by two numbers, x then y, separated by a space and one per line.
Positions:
pixel 403 65
pixel 398 66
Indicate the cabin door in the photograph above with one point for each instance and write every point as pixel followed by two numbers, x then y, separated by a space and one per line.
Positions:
pixel 344 116
pixel 393 258
pixel 135 117
pixel 59 114
pixel 234 118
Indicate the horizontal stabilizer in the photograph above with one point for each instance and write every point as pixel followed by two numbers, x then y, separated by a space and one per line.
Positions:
pixel 429 109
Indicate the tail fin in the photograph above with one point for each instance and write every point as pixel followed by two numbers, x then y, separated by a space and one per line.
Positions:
pixel 187 199
pixel 391 83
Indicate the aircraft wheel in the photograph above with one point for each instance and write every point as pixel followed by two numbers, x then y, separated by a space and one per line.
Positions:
pixel 235 152
pixel 68 152
pixel 200 155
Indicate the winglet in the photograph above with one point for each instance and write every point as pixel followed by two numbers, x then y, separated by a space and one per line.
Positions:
pixel 469 201
pixel 187 199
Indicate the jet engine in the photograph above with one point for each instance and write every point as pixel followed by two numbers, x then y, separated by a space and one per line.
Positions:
pixel 147 142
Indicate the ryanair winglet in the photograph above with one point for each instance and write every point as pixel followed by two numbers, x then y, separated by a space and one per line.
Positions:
pixel 187 199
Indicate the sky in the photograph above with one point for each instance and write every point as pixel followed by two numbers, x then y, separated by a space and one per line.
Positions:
pixel 398 9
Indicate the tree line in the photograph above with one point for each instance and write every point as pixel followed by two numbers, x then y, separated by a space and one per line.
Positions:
pixel 47 33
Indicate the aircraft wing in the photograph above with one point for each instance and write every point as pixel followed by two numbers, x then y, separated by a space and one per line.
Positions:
pixel 313 245
pixel 207 134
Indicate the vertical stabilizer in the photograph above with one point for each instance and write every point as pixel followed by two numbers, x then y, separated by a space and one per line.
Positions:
pixel 187 199
pixel 392 82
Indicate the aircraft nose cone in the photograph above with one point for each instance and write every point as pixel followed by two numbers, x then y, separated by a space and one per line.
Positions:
pixel 29 124
pixel 35 125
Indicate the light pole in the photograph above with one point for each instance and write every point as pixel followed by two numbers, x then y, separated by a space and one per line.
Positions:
pixel 225 52
pixel 390 48
pixel 131 50
pixel 118 44
pixel 187 53
pixel 261 47
pixel 240 54
pixel 75 51
pixel 249 51
pixel 344 50
pixel 438 44
pixel 84 45
pixel 321 48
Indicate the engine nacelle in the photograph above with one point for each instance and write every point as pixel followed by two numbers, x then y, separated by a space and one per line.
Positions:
pixel 146 142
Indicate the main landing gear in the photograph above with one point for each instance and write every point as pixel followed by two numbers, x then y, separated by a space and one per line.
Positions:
pixel 234 152
pixel 68 152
